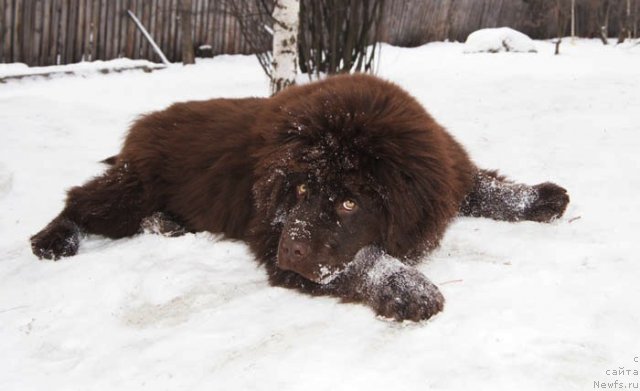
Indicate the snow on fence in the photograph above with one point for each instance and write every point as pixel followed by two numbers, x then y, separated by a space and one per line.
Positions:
pixel 48 32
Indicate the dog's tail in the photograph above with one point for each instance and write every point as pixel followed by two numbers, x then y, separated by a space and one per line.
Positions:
pixel 111 160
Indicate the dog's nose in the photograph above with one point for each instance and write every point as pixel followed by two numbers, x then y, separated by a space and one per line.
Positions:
pixel 294 250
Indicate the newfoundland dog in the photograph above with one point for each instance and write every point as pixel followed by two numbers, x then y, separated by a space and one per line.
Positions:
pixel 339 187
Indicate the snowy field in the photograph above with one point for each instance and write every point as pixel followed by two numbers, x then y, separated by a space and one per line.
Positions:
pixel 529 306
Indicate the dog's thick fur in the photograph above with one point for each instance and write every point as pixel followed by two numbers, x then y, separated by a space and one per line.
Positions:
pixel 311 179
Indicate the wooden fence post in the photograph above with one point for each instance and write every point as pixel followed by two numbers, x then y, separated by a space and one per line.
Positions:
pixel 188 56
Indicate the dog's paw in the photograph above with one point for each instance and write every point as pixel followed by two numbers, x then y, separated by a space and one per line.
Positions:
pixel 160 223
pixel 550 203
pixel 407 295
pixel 61 238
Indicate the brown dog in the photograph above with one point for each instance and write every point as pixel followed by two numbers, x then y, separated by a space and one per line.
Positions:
pixel 338 187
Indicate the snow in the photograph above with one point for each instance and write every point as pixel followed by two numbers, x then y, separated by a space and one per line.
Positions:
pixel 495 40
pixel 81 68
pixel 5 180
pixel 528 306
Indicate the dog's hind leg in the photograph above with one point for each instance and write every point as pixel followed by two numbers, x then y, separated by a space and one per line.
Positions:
pixel 495 197
pixel 112 205
pixel 162 223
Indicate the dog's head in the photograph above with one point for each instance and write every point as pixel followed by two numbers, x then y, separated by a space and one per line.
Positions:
pixel 346 163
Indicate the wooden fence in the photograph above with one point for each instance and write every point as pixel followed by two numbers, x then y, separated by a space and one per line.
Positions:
pixel 415 22
pixel 47 32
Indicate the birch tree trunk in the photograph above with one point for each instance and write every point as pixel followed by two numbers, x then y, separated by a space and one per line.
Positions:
pixel 286 15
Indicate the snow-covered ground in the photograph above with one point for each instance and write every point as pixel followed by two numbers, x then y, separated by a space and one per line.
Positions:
pixel 19 70
pixel 529 306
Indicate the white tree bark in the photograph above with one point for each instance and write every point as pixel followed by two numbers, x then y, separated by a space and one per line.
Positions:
pixel 285 44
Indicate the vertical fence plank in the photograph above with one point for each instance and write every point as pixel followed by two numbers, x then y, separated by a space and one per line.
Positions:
pixel 140 40
pixel 211 34
pixel 173 23
pixel 172 32
pixel 3 25
pixel 137 8
pixel 107 20
pixel 45 43
pixel 75 32
pixel 123 20
pixel 52 51
pixel 26 30
pixel 207 19
pixel 165 26
pixel 170 29
pixel 130 32
pixel 222 32
pixel 86 30
pixel 62 32
pixel 158 23
pixel 109 27
pixel 102 31
pixel 222 26
pixel 152 28
pixel 5 32
pixel 147 51
pixel 113 29
pixel 16 34
pixel 79 36
pixel 95 22
pixel 231 44
pixel 124 26
pixel 71 32
pixel 37 32
pixel 115 20
pixel 195 19
pixel 115 32
pixel 198 16
pixel 119 30
pixel 219 26
pixel 178 33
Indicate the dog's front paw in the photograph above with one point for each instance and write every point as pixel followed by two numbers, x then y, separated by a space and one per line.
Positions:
pixel 61 238
pixel 550 203
pixel 407 295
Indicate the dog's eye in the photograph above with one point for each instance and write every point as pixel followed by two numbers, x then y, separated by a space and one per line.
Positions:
pixel 349 205
pixel 301 189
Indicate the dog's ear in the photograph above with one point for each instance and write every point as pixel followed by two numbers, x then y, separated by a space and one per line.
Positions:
pixel 416 211
pixel 270 192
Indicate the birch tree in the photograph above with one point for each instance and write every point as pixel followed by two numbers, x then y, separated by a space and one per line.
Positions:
pixel 286 16
pixel 334 36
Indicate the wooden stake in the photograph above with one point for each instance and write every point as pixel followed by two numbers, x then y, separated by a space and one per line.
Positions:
pixel 148 37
